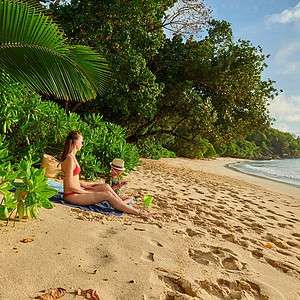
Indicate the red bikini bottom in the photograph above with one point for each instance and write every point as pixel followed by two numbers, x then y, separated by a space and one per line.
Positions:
pixel 68 194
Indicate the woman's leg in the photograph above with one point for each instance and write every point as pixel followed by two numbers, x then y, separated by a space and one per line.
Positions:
pixel 126 199
pixel 102 187
pixel 96 197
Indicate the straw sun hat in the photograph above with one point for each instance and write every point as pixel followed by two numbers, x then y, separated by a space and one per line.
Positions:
pixel 118 164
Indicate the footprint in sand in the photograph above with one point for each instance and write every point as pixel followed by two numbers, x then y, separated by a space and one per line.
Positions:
pixel 156 243
pixel 284 267
pixel 181 288
pixel 204 257
pixel 192 232
pixel 230 238
pixel 231 263
pixel 225 258
pixel 148 256
pixel 238 289
pixel 257 253
pixel 296 234
pixel 284 252
pixel 277 241
pixel 293 244
pixel 272 217
pixel 292 220
pixel 282 225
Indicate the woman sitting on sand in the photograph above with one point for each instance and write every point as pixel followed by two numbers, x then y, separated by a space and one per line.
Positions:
pixel 77 193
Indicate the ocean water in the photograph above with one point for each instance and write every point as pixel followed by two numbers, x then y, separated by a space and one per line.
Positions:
pixel 282 170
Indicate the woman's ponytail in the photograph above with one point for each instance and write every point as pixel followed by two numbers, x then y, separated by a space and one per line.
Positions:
pixel 70 139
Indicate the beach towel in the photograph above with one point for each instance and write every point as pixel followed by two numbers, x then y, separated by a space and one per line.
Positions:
pixel 103 207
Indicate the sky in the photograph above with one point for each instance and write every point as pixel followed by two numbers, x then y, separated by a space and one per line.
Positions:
pixel 275 26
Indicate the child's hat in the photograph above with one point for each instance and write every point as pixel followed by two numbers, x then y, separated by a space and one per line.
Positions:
pixel 118 164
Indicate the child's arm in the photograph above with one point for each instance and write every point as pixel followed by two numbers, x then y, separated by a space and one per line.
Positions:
pixel 118 186
pixel 110 182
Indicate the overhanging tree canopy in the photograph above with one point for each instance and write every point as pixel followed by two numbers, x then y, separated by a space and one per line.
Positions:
pixel 211 87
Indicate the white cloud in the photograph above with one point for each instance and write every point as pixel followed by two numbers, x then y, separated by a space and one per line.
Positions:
pixel 287 16
pixel 282 127
pixel 288 50
pixel 285 109
pixel 287 58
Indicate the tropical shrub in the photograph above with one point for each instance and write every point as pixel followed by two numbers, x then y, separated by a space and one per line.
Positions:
pixel 210 151
pixel 32 191
pixel 241 149
pixel 152 148
pixel 198 148
pixel 34 127
pixel 104 141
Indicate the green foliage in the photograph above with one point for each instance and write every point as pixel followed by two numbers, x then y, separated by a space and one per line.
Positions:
pixel 211 87
pixel 152 148
pixel 210 151
pixel 103 142
pixel 33 127
pixel 226 77
pixel 275 143
pixel 198 148
pixel 32 190
pixel 271 143
pixel 33 51
pixel 128 33
pixel 241 149
pixel 232 79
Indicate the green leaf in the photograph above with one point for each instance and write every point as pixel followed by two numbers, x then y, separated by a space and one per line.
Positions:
pixel 5 188
pixel 28 213
pixel 34 212
pixel 46 191
pixel 18 184
pixel 20 189
pixel 40 173
pixel 37 209
pixel 21 210
pixel 13 176
pixel 31 45
pixel 46 204
pixel 30 199
pixel 3 212
pixel 3 154
pixel 22 165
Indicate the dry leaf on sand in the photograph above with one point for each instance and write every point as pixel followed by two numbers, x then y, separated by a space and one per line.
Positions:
pixel 139 229
pixel 268 245
pixel 53 294
pixel 27 240
pixel 89 294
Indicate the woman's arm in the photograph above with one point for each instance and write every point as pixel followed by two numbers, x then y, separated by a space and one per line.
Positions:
pixel 88 186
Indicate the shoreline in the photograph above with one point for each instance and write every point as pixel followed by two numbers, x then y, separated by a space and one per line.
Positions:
pixel 263 177
pixel 220 166
pixel 215 234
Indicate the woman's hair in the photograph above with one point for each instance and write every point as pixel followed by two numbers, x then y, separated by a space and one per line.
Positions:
pixel 71 138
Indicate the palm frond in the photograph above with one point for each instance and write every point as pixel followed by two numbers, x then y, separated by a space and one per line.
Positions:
pixel 33 51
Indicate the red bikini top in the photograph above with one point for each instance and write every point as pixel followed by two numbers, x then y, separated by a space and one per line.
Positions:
pixel 77 169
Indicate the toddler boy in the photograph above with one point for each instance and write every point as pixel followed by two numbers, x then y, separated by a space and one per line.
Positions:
pixel 114 179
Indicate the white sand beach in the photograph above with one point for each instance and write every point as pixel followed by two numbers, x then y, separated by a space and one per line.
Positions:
pixel 215 234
